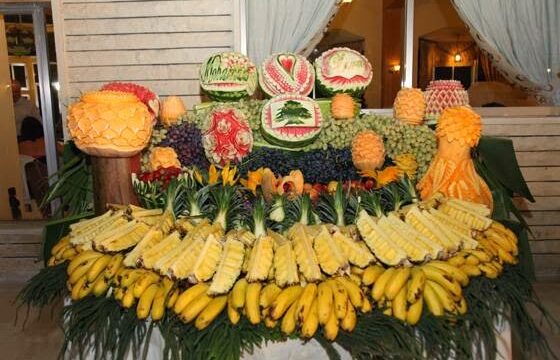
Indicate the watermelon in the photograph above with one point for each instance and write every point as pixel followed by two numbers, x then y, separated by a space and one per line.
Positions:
pixel 286 73
pixel 342 70
pixel 228 76
pixel 291 120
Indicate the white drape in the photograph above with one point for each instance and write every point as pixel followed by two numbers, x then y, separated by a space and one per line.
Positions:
pixel 286 25
pixel 523 39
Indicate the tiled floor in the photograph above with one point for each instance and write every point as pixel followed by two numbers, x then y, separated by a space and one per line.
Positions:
pixel 41 338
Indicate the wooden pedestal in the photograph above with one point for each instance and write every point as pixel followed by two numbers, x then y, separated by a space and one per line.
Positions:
pixel 112 182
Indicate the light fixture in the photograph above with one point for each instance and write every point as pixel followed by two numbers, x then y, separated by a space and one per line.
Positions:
pixel 346 1
pixel 395 68
pixel 458 57
pixel 56 85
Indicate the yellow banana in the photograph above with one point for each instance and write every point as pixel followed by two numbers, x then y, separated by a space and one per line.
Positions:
pixel 456 260
pixel 252 310
pixel 268 322
pixel 379 286
pixel 68 254
pixel 340 297
pixel 100 286
pixel 470 270
pixel 472 260
pixel 398 280
pixel 81 259
pixel 146 300
pixel 113 266
pixel 354 292
pixel 118 294
pixel 443 295
pixel 330 329
pixel 367 306
pixel 143 282
pixel 128 278
pixel 415 285
pixel 348 323
pixel 506 257
pixel 310 321
pixel 188 296
pixel 357 280
pixel 371 274
pixel 481 255
pixel 81 270
pixel 158 306
pixel 77 287
pixel 269 294
pixel 455 272
pixel 488 270
pixel 213 309
pixel 232 312
pixel 325 303
pixel 399 303
pixel 288 325
pixel 238 293
pixel 195 307
pixel 172 298
pixel 287 297
pixel 98 266
pixel 461 306
pixel 501 241
pixel 62 243
pixel 415 311
pixel 443 279
pixel 128 298
pixel 432 300
pixel 308 295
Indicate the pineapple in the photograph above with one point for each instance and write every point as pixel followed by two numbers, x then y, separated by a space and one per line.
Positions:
pixel 285 263
pixel 409 106
pixel 356 252
pixel 152 255
pixel 378 241
pixel 305 255
pixel 260 259
pixel 229 267
pixel 330 256
pixel 207 261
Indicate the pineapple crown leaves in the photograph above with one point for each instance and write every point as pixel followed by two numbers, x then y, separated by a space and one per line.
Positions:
pixel 299 210
pixel 228 205
pixel 197 201
pixel 372 202
pixel 397 195
pixel 335 208
pixel 150 194
pixel 174 197
pixel 408 188
pixel 258 217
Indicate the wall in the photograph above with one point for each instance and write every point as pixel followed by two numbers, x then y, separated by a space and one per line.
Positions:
pixel 159 44
pixel 393 12
pixel 364 18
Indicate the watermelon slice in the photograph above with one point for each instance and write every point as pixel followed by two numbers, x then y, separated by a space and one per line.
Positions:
pixel 291 120
pixel 286 73
pixel 228 76
pixel 342 70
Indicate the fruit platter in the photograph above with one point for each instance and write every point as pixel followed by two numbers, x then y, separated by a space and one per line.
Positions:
pixel 266 215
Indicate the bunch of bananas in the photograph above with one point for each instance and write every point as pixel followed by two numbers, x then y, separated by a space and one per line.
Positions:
pixel 62 251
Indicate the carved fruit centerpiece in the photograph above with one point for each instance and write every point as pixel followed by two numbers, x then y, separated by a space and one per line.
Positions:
pixel 228 137
pixel 228 76
pixel 286 73
pixel 409 106
pixel 452 171
pixel 442 94
pixel 368 151
pixel 342 70
pixel 149 98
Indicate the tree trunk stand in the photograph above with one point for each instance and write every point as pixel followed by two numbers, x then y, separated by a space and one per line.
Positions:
pixel 112 183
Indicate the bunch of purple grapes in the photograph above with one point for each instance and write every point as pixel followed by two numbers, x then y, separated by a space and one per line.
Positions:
pixel 186 140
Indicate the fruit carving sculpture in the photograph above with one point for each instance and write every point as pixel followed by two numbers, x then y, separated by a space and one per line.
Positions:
pixel 368 152
pixel 163 157
pixel 452 170
pixel 172 109
pixel 342 70
pixel 286 73
pixel 110 124
pixel 409 106
pixel 228 76
pixel 441 94
pixel 228 137
pixel 149 98
pixel 343 106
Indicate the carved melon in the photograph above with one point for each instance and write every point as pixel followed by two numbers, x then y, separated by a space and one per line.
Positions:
pixel 286 73
pixel 342 70
pixel 228 76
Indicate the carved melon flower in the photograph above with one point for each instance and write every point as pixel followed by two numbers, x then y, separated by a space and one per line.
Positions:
pixel 291 185
pixel 163 157
pixel 254 179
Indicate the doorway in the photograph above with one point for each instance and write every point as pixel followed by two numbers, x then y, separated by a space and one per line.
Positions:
pixel 30 122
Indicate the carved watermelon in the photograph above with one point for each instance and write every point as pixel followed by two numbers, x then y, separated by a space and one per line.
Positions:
pixel 342 70
pixel 228 76
pixel 286 73
pixel 291 120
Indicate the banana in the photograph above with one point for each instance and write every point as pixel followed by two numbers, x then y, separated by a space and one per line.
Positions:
pixel 488 270
pixel 348 323
pixel 238 293
pixel 501 241
pixel 98 266
pixel 371 274
pixel 128 278
pixel 455 272
pixel 195 307
pixel 188 296
pixel 113 266
pixel 146 300
pixel 268 322
pixel 443 296
pixel 311 321
pixel 330 329
pixel 252 310
pixel 305 301
pixel 443 279
pixel 354 292
pixel 379 286
pixel 269 294
pixel 432 300
pixel 415 285
pixel 68 253
pixel 470 270
pixel 128 298
pixel 81 270
pixel 172 298
pixel 456 260
pixel 506 257
pixel 399 303
pixel 143 282
pixel 62 243
pixel 472 260
pixel 158 306
pixel 81 259
pixel 367 306
pixel 398 280
pixel 340 297
pixel 415 311
pixel 76 288
pixel 100 286
pixel 288 325
pixel 118 294
pixel 209 313
pixel 325 303
pixel 461 306
pixel 481 255
pixel 232 312
pixel 288 296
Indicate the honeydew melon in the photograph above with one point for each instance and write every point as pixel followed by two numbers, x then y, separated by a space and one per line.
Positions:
pixel 228 76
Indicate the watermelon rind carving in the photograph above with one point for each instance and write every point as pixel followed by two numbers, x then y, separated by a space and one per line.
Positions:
pixel 291 121
pixel 228 76
pixel 342 70
pixel 286 73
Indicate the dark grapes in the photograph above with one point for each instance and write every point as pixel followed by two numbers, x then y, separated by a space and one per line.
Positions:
pixel 186 140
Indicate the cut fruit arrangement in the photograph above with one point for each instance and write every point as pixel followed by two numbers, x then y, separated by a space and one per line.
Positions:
pixel 305 275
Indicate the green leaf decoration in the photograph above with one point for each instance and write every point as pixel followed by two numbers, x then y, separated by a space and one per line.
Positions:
pixel 293 112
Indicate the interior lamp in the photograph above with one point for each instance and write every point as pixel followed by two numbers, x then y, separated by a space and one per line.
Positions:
pixel 395 68
pixel 458 57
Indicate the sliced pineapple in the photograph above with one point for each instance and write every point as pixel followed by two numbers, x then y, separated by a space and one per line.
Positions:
pixel 207 261
pixel 414 251
pixel 182 267
pixel 150 239
pixel 305 255
pixel 285 263
pixel 125 240
pixel 356 252
pixel 229 268
pixel 331 257
pixel 152 255
pixel 260 259
pixel 378 241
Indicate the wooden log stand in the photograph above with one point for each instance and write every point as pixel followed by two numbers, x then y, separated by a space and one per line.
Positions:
pixel 112 183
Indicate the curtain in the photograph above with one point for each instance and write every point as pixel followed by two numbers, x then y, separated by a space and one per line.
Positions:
pixel 286 25
pixel 521 37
